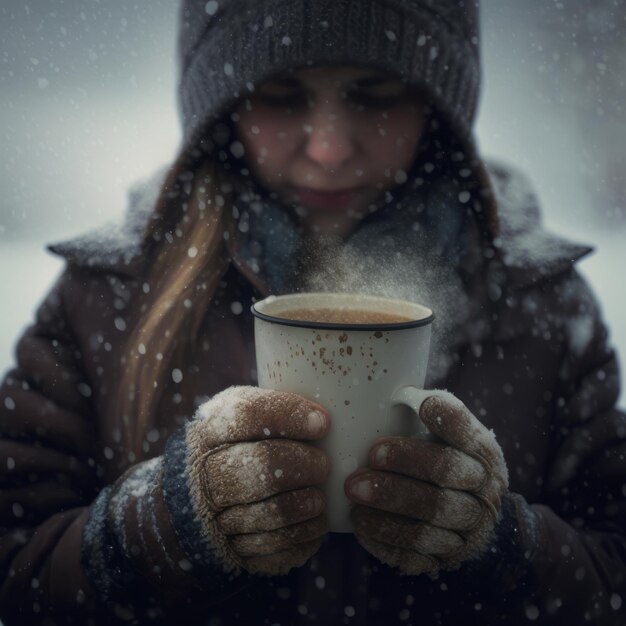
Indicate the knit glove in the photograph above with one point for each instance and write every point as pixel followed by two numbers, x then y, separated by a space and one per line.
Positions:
pixel 234 492
pixel 246 469
pixel 429 504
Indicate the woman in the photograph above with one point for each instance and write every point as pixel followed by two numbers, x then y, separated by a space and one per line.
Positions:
pixel 324 144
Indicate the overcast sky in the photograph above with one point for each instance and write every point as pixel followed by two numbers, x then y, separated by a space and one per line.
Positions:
pixel 87 104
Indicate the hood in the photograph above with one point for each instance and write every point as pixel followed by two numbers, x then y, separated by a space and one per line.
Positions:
pixel 228 47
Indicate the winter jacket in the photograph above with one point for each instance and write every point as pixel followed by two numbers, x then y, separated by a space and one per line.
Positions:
pixel 545 379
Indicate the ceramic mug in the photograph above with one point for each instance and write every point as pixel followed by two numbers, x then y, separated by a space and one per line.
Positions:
pixel 367 370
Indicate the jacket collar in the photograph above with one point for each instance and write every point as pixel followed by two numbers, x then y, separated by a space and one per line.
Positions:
pixel 117 246
pixel 529 252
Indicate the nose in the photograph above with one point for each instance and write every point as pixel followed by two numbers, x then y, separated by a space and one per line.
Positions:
pixel 331 139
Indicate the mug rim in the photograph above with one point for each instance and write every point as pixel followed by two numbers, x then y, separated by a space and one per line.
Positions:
pixel 275 319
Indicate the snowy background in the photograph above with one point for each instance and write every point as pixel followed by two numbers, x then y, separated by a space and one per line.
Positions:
pixel 87 106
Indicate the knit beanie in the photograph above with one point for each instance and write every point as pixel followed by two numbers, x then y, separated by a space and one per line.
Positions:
pixel 228 46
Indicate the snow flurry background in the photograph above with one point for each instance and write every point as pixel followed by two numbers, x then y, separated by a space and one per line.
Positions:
pixel 87 106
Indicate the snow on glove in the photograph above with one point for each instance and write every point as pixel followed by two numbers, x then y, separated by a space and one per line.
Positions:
pixel 426 505
pixel 251 478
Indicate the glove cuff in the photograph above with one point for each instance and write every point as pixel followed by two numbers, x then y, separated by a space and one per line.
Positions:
pixel 104 553
pixel 199 536
pixel 506 561
pixel 145 539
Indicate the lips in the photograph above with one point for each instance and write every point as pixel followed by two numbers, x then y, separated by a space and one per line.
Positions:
pixel 329 200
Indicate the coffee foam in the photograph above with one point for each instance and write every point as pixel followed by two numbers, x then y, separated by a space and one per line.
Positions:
pixel 343 315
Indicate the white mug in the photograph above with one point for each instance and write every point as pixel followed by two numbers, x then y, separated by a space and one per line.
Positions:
pixel 368 376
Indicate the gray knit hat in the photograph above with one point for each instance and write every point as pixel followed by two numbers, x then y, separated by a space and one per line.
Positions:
pixel 227 46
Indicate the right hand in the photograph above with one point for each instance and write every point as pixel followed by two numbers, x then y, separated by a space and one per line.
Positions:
pixel 255 477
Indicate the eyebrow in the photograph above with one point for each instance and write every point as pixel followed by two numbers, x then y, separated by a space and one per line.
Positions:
pixel 370 81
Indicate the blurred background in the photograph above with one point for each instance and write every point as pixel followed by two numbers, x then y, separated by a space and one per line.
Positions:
pixel 88 106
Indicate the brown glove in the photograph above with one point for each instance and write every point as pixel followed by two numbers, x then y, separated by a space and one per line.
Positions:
pixel 252 478
pixel 426 505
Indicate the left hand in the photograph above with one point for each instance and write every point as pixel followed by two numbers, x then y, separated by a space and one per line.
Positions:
pixel 426 505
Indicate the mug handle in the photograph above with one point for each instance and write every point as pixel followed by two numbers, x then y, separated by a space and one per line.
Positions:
pixel 413 398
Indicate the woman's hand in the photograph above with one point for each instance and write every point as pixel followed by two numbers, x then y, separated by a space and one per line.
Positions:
pixel 253 477
pixel 427 505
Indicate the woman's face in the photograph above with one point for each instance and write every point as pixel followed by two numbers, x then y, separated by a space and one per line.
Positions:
pixel 330 141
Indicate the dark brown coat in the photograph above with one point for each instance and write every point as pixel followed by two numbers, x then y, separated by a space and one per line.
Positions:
pixel 544 379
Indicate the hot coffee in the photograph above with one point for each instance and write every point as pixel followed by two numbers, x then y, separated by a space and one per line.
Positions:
pixel 343 316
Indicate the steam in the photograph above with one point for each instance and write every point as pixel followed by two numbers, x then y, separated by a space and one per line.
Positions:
pixel 328 265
